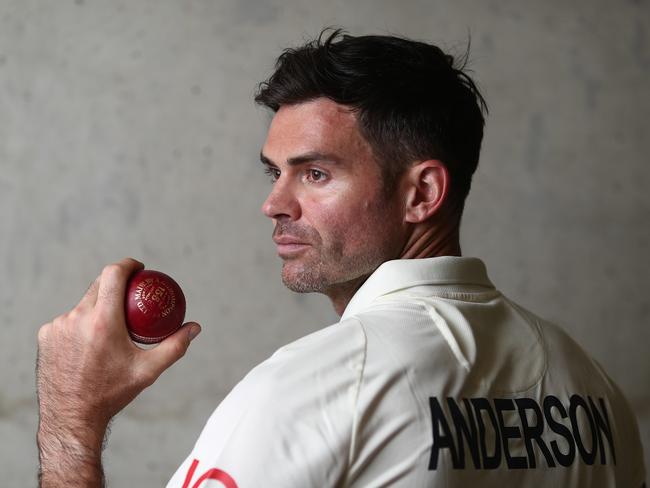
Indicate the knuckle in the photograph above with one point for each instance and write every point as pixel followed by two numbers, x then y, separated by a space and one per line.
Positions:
pixel 178 350
pixel 60 320
pixel 43 332
pixel 99 326
pixel 147 377
pixel 92 287
pixel 74 314
pixel 111 271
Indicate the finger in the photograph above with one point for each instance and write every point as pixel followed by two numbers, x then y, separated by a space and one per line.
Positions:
pixel 112 288
pixel 90 297
pixel 158 359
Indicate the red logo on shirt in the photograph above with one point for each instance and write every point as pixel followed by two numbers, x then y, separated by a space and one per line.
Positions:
pixel 210 474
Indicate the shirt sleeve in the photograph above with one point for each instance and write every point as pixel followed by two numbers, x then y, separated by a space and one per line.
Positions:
pixel 288 422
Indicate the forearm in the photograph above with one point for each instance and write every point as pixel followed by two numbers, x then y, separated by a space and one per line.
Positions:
pixel 69 457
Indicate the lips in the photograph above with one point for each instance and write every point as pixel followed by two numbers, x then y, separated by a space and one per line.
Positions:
pixel 289 245
pixel 287 240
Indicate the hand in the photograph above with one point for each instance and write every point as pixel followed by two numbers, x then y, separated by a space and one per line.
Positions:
pixel 88 369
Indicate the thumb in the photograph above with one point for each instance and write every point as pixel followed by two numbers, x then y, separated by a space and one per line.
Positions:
pixel 169 351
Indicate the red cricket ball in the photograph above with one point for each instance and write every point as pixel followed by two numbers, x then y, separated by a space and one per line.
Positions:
pixel 155 306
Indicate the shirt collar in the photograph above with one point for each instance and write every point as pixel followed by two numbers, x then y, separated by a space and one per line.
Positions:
pixel 399 274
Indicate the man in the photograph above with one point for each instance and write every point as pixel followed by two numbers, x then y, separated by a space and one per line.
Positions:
pixel 431 378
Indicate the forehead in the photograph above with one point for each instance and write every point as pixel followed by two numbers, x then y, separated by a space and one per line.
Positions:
pixel 318 125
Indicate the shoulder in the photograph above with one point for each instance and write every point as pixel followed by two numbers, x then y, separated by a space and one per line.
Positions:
pixel 293 412
pixel 345 334
pixel 300 374
pixel 324 348
pixel 292 391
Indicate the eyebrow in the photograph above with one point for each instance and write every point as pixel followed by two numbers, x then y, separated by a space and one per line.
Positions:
pixel 309 157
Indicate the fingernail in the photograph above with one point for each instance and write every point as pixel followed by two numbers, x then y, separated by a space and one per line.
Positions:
pixel 194 331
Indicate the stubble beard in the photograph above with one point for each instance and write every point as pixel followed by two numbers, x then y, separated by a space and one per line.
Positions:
pixel 329 269
pixel 324 267
pixel 307 280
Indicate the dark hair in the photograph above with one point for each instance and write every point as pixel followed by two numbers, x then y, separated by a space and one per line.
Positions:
pixel 412 102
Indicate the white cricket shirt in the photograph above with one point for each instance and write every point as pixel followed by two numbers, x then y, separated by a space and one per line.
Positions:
pixel 432 378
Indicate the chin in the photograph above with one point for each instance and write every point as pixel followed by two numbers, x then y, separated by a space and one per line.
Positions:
pixel 301 286
pixel 303 279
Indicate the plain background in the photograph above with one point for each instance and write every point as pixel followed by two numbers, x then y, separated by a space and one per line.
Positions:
pixel 127 128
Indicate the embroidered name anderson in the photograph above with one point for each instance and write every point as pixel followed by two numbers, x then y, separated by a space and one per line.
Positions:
pixel 491 430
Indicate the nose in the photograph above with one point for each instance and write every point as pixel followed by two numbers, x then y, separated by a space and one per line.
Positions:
pixel 281 202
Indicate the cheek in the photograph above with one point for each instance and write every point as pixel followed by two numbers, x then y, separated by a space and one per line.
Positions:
pixel 350 226
pixel 349 215
pixel 336 223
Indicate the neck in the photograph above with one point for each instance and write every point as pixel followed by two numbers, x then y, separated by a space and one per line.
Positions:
pixel 341 294
pixel 429 241
pixel 424 242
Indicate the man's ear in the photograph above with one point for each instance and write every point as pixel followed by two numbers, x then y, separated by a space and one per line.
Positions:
pixel 427 187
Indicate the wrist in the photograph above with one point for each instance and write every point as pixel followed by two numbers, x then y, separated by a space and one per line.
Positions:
pixel 70 454
pixel 72 429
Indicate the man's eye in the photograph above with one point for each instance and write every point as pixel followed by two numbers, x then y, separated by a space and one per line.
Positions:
pixel 274 173
pixel 316 175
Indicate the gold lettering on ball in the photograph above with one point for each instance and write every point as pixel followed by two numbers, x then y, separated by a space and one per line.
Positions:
pixel 154 297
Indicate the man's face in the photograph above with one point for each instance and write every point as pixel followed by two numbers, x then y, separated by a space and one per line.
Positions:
pixel 333 223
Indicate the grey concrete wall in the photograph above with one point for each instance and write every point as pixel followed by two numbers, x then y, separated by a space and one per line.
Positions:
pixel 127 128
